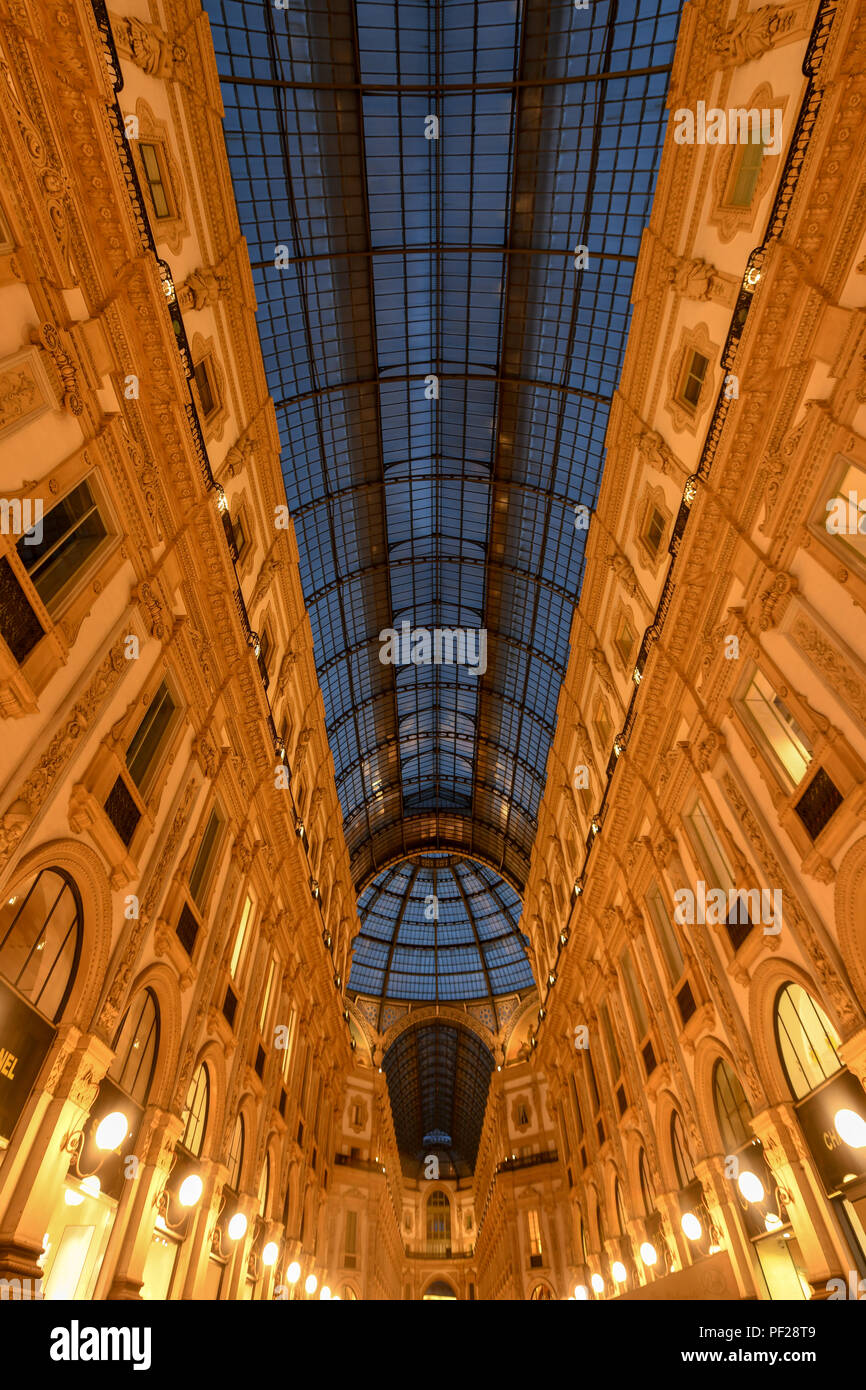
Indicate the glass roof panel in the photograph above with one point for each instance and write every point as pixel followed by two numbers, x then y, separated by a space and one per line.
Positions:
pixel 442 371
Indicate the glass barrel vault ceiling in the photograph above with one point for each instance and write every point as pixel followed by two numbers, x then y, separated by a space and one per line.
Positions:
pixel 411 258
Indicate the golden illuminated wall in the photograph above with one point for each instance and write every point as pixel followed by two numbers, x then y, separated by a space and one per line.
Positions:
pixel 712 725
pixel 165 773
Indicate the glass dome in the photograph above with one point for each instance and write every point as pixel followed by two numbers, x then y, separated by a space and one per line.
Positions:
pixel 439 928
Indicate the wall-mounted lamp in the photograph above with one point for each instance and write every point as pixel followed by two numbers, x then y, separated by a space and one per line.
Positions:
pixel 851 1128
pixel 108 1137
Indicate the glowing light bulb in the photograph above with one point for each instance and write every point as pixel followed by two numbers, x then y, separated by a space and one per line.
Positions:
pixel 691 1226
pixel 619 1272
pixel 293 1273
pixel 238 1226
pixel 772 1222
pixel 112 1131
pixel 190 1190
pixel 851 1128
pixel 269 1254
pixel 581 1293
pixel 751 1186
pixel 597 1283
pixel 325 1293
pixel 648 1253
pixel 311 1284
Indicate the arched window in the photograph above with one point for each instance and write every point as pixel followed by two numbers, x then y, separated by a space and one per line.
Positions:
pixel 808 1043
pixel 683 1165
pixel 195 1111
pixel 236 1155
pixel 438 1220
pixel 732 1108
pixel 620 1209
pixel 265 1186
pixel 541 1292
pixel 135 1047
pixel 647 1186
pixel 40 940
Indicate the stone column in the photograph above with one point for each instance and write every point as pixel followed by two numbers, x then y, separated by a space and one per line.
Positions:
pixel 35 1167
pixel 130 1241
pixel 239 1257
pixel 197 1246
pixel 726 1215
pixel 787 1156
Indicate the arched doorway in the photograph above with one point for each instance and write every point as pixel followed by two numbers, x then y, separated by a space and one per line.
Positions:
pixel 440 1289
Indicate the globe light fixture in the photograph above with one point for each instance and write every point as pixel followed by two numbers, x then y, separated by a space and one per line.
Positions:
pixel 293 1273
pixel 648 1253
pixel 751 1186
pixel 111 1132
pixel 269 1254
pixel 190 1190
pixel 238 1226
pixel 597 1283
pixel 581 1293
pixel 311 1284
pixel 619 1272
pixel 325 1294
pixel 851 1128
pixel 772 1221
pixel 691 1226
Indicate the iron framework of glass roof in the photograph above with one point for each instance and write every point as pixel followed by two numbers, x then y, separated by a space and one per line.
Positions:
pixel 441 369
pixel 438 1078
pixel 439 928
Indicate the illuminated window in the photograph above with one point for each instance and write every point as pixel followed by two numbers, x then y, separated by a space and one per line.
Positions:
pixel 732 1108
pixel 236 1155
pixel 40 940
pixel 241 940
pixel 194 1117
pixel 135 1048
pixel 842 516
pixel 778 728
pixel 534 1234
pixel 683 1164
pixel 266 996
pixel 808 1043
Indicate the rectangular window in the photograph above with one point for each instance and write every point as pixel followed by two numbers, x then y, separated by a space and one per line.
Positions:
pixel 150 737
pixel 843 514
pixel 778 728
pixel 744 174
pixel 71 532
pixel 290 1042
pixel 667 937
pixel 693 378
pixel 153 171
pixel 593 1084
pixel 654 529
pixel 610 1039
pixel 241 940
pixel 241 537
pixel 710 854
pixel 204 383
pixel 625 639
pixel 534 1234
pixel 578 1114
pixel 635 994
pixel 603 726
pixel 266 997
pixel 204 860
pixel 264 648
pixel 350 1249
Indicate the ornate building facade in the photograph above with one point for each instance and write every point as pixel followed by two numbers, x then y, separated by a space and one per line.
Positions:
pixel 212 1083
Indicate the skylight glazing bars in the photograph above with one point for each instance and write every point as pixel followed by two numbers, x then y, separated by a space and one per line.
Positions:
pixel 449 257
